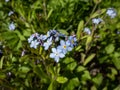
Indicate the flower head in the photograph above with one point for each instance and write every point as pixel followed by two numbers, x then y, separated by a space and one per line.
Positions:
pixel 56 54
pixel 47 43
pixel 96 20
pixel 72 40
pixel 10 13
pixel 34 44
pixel 87 30
pixel 6 0
pixel 111 12
pixel 64 46
pixel 12 26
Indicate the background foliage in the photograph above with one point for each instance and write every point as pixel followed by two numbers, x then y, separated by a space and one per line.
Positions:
pixel 94 64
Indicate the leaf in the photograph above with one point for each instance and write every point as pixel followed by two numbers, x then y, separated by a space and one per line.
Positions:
pixel 1 62
pixel 98 79
pixel 98 13
pixel 89 58
pixel 39 71
pixel 80 69
pixel 116 62
pixel 79 29
pixel 61 79
pixel 117 88
pixel 110 48
pixel 63 31
pixel 70 63
pixel 20 35
pixel 72 83
pixel 86 76
pixel 89 39
pixel 52 85
pixel 50 12
pixel 24 69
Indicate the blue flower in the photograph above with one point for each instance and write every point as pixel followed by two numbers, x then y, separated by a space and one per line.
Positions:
pixel 72 40
pixel 87 30
pixel 47 43
pixel 34 44
pixel 12 26
pixel 30 39
pixel 10 13
pixel 64 46
pixel 56 54
pixel 96 20
pixel 111 12
pixel 46 36
pixel 55 35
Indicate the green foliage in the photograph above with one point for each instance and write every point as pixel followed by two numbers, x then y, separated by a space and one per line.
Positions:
pixel 94 64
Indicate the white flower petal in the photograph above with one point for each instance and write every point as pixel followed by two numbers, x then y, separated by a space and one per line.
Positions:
pixel 52 55
pixel 54 50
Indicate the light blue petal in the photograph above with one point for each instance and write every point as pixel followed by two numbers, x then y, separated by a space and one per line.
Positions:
pixel 69 48
pixel 61 55
pixel 57 59
pixel 64 51
pixel 67 42
pixel 54 50
pixel 59 50
pixel 52 55
pixel 62 42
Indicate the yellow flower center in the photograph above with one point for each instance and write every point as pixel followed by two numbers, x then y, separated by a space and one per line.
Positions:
pixel 64 46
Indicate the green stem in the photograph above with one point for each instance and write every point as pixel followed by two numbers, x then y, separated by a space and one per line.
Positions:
pixel 91 13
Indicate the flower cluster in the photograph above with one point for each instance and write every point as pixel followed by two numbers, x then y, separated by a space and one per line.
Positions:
pixel 59 43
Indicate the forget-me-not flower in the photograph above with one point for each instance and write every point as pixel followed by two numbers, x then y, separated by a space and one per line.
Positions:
pixel 111 12
pixel 64 46
pixel 6 0
pixel 10 13
pixel 96 20
pixel 47 43
pixel 46 36
pixel 87 30
pixel 72 40
pixel 12 26
pixel 56 54
pixel 30 39
pixel 34 44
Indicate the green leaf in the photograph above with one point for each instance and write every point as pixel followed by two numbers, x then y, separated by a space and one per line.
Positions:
pixel 72 83
pixel 63 31
pixel 61 79
pixel 24 69
pixel 79 29
pixel 116 62
pixel 89 58
pixel 88 42
pixel 98 13
pixel 110 48
pixel 117 88
pixel 52 85
pixel 50 12
pixel 98 79
pixel 86 76
pixel 20 35
pixel 39 71
pixel 1 62
pixel 80 69
pixel 70 63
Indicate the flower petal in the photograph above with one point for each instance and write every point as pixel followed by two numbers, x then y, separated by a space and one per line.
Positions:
pixel 57 59
pixel 54 50
pixel 61 55
pixel 52 55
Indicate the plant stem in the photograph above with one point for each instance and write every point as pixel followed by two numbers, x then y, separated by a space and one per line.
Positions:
pixel 91 14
